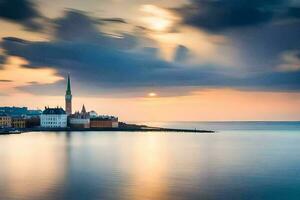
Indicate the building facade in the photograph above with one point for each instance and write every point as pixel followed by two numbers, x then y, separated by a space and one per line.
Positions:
pixel 54 118
pixel 80 119
pixel 18 122
pixel 19 111
pixel 5 121
pixel 104 122
pixel 68 98
pixel 33 121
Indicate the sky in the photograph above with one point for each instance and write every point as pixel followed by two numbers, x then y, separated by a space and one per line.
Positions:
pixel 150 60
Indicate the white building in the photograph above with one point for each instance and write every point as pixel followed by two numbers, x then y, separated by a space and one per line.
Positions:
pixel 54 118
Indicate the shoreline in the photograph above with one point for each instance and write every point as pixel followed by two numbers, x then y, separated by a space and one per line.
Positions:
pixel 123 129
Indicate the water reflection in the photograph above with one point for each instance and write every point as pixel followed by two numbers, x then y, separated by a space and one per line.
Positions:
pixel 149 166
pixel 32 167
pixel 149 163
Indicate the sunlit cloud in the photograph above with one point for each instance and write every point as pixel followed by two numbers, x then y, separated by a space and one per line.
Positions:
pixel 291 61
pixel 158 19
pixel 204 48
pixel 16 75
pixel 168 32
pixel 16 30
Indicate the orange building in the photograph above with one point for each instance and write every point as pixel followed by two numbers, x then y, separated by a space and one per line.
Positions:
pixel 104 122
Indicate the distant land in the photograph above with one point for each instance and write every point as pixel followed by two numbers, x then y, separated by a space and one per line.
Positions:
pixel 21 119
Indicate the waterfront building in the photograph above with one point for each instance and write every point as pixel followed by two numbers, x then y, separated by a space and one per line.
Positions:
pixel 19 111
pixel 5 121
pixel 18 122
pixel 33 113
pixel 68 97
pixel 33 121
pixel 93 114
pixel 104 122
pixel 80 119
pixel 54 118
pixel 13 111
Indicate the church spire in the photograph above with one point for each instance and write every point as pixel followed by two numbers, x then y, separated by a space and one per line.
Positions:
pixel 83 109
pixel 68 91
pixel 68 97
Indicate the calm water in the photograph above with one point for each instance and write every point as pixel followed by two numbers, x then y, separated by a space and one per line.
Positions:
pixel 241 161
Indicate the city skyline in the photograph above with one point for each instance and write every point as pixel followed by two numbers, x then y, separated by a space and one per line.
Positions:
pixel 155 62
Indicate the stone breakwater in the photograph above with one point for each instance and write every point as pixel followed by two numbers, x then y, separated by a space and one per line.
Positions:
pixel 123 127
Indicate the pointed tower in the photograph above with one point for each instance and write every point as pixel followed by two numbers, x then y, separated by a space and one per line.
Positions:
pixel 83 111
pixel 68 97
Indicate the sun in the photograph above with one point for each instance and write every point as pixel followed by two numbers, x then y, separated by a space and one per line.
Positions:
pixel 152 94
pixel 157 18
pixel 159 24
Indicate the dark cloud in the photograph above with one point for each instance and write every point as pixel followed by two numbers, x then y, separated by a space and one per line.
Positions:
pixel 108 66
pixel 75 25
pixel 274 81
pixel 15 39
pixel 94 67
pixel 18 10
pixel 113 20
pixel 150 51
pixel 33 82
pixel 2 61
pixel 260 49
pixel 79 89
pixel 21 11
pixel 5 80
pixel 293 12
pixel 101 63
pixel 78 26
pixel 181 54
pixel 219 15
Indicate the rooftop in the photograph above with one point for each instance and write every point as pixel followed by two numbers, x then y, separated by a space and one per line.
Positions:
pixel 104 118
pixel 54 111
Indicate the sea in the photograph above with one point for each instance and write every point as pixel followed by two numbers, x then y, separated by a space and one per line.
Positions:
pixel 242 160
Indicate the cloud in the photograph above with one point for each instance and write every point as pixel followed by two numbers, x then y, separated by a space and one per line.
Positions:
pixel 261 49
pixel 291 61
pixel 23 12
pixel 79 26
pixel 95 67
pixel 5 81
pixel 101 63
pixel 293 12
pixel 221 15
pixel 2 61
pixel 113 20
pixel 75 25
pixel 181 54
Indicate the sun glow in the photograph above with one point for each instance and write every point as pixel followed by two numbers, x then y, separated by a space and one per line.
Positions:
pixel 157 18
pixel 152 94
pixel 16 75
